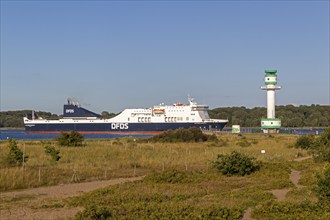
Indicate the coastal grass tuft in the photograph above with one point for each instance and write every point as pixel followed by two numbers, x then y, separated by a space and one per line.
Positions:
pixel 180 181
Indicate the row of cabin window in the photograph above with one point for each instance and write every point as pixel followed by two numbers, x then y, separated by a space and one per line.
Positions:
pixel 174 119
pixel 143 119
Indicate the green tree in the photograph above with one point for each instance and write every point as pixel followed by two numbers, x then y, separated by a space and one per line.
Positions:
pixel 323 185
pixel 236 164
pixel 15 155
pixel 107 115
pixel 72 139
pixel 53 153
pixel 305 141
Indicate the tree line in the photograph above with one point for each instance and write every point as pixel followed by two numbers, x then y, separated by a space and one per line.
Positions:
pixel 291 116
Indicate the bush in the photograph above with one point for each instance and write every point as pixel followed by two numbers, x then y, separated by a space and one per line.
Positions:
pixel 51 151
pixel 73 139
pixel 291 210
pixel 322 147
pixel 235 164
pixel 15 155
pixel 318 146
pixel 244 143
pixel 323 185
pixel 171 176
pixel 94 212
pixel 321 154
pixel 182 135
pixel 305 141
pixel 324 139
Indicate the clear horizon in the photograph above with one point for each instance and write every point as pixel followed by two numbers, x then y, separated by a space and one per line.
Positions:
pixel 112 55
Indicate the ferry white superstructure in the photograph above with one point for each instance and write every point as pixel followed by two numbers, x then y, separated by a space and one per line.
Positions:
pixel 140 120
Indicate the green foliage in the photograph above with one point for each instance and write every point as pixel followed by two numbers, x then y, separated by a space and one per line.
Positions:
pixel 181 135
pixel 175 176
pixel 53 153
pixel 235 164
pixel 322 147
pixel 284 210
pixel 160 211
pixel 15 118
pixel 318 146
pixel 243 142
pixel 305 141
pixel 72 139
pixel 291 116
pixel 324 139
pixel 321 154
pixel 323 185
pixel 107 115
pixel 94 212
pixel 15 155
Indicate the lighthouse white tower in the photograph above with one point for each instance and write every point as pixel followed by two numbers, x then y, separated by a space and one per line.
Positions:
pixel 270 124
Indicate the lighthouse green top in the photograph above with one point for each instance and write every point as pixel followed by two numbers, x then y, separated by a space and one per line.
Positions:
pixel 270 71
pixel 270 77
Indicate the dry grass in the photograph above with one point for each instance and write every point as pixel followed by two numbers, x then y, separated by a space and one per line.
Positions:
pixel 112 158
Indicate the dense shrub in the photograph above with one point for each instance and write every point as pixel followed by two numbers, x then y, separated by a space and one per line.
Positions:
pixel 94 212
pixel 73 139
pixel 15 155
pixel 297 210
pixel 321 152
pixel 236 164
pixel 323 185
pixel 324 139
pixel 319 146
pixel 305 141
pixel 171 176
pixel 159 210
pixel 182 135
pixel 243 143
pixel 53 153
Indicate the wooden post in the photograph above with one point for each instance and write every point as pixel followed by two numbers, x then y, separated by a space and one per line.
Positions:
pixel 23 165
pixel 185 163
pixel 39 179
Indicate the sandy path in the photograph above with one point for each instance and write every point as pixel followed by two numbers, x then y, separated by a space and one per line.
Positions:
pixel 25 204
pixel 280 194
pixel 247 214
pixel 295 176
pixel 302 158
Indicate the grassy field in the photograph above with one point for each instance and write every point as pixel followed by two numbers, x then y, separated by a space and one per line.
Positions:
pixel 180 181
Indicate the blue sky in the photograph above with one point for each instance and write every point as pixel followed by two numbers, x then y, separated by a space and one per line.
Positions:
pixel 112 55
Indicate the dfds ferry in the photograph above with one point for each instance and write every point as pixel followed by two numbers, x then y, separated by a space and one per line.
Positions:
pixel 131 121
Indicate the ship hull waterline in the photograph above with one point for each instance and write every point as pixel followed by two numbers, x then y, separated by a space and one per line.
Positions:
pixel 117 128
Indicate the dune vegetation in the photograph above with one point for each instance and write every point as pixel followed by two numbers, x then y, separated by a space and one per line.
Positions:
pixel 181 180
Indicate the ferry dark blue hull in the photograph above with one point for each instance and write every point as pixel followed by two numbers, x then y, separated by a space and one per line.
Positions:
pixel 118 128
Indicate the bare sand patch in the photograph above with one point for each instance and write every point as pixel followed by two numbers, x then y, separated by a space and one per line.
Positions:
pixel 25 204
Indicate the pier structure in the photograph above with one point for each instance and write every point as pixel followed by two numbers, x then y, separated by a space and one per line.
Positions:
pixel 271 124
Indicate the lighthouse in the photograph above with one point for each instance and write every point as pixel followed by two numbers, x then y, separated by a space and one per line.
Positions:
pixel 271 124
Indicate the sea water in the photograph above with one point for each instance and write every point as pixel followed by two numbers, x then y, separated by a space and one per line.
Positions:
pixel 22 135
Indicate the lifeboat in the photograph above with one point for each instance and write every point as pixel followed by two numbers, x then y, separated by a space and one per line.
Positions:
pixel 158 111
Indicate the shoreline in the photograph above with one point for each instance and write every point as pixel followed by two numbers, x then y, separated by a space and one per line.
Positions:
pixel 12 128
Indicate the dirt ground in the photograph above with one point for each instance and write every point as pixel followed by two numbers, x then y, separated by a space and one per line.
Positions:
pixel 46 202
pixel 280 194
